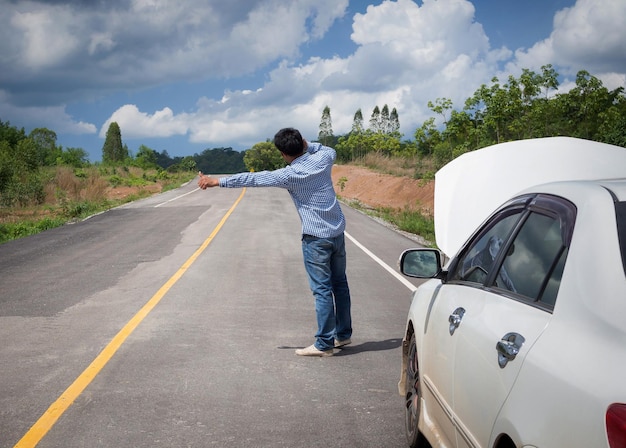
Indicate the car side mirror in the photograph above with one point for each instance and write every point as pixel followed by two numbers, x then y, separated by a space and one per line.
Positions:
pixel 421 263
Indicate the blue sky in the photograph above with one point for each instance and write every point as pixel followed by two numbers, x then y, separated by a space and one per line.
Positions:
pixel 187 76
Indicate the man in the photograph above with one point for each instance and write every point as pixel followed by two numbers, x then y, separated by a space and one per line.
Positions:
pixel 308 180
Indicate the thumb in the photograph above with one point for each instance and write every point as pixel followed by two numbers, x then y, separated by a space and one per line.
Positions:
pixel 200 174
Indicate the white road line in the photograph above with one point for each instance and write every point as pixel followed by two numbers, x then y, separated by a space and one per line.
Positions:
pixel 388 268
pixel 177 197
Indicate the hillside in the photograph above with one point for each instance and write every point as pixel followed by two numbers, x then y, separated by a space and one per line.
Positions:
pixel 383 190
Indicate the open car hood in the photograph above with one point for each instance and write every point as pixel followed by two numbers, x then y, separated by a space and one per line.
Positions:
pixel 472 186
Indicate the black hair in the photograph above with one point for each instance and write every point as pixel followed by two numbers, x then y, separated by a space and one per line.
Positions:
pixel 289 141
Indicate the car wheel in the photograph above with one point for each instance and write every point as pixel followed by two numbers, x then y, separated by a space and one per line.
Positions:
pixel 412 399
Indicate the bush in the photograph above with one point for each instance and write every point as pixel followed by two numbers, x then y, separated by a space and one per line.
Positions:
pixel 12 231
pixel 28 190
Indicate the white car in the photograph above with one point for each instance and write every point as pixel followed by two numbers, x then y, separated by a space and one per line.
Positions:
pixel 519 338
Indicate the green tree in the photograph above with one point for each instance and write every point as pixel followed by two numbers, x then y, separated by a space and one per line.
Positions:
pixel 74 157
pixel 612 129
pixel 394 123
pixel 375 120
pixel 11 134
pixel 7 165
pixel 357 122
pixel 384 125
pixel 263 156
pixel 188 163
pixel 146 158
pixel 427 137
pixel 220 160
pixel 45 142
pixel 352 146
pixel 27 155
pixel 325 135
pixel 113 151
pixel 582 108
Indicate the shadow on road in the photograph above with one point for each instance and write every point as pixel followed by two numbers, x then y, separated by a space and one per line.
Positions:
pixel 373 346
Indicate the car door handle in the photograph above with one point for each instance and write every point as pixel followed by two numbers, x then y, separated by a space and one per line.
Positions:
pixel 508 347
pixel 455 319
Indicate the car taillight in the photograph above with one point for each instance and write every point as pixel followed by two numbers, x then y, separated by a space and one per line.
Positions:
pixel 616 425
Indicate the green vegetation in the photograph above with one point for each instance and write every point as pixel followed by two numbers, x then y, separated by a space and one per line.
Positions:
pixel 43 185
pixel 407 220
pixel 71 194
pixel 263 156
pixel 521 108
pixel 113 151
pixel 525 107
pixel 410 221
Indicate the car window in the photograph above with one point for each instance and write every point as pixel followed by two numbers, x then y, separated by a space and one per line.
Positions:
pixel 477 262
pixel 535 260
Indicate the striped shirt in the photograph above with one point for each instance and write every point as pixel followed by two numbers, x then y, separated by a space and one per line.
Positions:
pixel 308 180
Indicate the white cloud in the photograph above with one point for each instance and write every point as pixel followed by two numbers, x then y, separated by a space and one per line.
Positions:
pixel 162 123
pixel 55 117
pixel 116 45
pixel 407 53
pixel 587 36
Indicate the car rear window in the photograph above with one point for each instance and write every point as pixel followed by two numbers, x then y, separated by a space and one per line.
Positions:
pixel 620 213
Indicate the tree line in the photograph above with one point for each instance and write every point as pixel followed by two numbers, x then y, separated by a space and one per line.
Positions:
pixel 27 161
pixel 528 106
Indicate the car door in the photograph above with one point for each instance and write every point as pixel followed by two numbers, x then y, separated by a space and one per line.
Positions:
pixel 499 296
pixel 446 319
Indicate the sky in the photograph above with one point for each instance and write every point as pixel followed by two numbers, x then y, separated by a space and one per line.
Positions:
pixel 185 76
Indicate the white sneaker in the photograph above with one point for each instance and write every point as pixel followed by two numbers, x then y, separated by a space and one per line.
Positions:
pixel 312 350
pixel 339 343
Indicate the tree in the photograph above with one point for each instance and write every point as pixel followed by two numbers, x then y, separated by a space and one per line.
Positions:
pixel 394 123
pixel 188 164
pixel 427 137
pixel 11 134
pixel 375 120
pixel 263 156
pixel 357 122
pixel 146 158
pixel 220 160
pixel 325 135
pixel 45 141
pixel 75 157
pixel 113 151
pixel 384 120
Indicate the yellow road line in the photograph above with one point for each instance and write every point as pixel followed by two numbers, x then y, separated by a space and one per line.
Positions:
pixel 56 409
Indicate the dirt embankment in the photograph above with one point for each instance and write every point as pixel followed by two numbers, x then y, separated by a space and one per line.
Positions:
pixel 383 190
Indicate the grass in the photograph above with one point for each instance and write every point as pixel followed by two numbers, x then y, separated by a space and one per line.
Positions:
pixel 74 194
pixel 416 167
pixel 406 220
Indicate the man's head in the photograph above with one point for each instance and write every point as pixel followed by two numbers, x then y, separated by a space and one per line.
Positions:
pixel 289 141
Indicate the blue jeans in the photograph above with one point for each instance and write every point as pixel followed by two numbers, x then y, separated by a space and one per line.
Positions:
pixel 325 263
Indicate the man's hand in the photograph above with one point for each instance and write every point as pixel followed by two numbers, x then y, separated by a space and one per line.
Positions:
pixel 206 182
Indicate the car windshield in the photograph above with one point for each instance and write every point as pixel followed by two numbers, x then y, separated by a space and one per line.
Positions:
pixel 620 213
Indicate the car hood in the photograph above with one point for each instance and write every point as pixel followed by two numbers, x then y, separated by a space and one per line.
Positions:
pixel 472 186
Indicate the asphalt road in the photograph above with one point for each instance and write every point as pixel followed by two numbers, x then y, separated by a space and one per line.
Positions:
pixel 173 321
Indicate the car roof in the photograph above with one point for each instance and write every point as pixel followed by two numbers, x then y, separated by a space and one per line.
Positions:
pixel 472 186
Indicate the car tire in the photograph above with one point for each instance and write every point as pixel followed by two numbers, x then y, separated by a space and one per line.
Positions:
pixel 412 398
